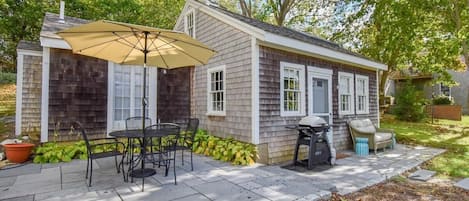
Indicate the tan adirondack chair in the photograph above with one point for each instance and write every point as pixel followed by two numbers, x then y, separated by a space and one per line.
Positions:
pixel 377 138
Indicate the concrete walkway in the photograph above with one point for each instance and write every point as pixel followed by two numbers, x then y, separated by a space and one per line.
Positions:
pixel 210 180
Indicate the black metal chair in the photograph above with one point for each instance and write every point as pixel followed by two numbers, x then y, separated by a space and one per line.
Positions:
pixel 168 141
pixel 91 145
pixel 187 138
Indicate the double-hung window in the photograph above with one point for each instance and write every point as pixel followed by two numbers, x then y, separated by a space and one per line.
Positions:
pixel 292 89
pixel 346 86
pixel 189 23
pixel 125 94
pixel 216 96
pixel 362 94
pixel 445 90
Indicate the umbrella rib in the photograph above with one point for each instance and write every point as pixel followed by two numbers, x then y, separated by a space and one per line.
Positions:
pixel 102 43
pixel 162 58
pixel 129 44
pixel 177 49
pixel 196 45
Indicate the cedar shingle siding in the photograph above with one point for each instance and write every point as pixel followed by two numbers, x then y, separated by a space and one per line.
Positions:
pixel 174 94
pixel 272 129
pixel 31 104
pixel 233 49
pixel 77 91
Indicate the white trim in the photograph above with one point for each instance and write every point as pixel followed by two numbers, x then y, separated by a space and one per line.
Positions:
pixel 152 95
pixel 186 30
pixel 377 97
pixel 45 94
pixel 246 28
pixel 19 93
pixel 352 94
pixel 302 105
pixel 210 111
pixel 29 52
pixel 321 51
pixel 315 72
pixel 54 43
pixel 255 91
pixel 110 95
pixel 367 93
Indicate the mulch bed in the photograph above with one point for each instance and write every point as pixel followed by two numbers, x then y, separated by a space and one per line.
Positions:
pixel 406 190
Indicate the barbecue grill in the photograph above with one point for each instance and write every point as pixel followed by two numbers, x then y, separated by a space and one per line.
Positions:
pixel 312 132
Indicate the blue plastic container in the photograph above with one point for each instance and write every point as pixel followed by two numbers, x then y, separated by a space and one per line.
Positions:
pixel 361 146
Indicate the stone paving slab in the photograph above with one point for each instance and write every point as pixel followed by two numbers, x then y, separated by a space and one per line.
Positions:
pixel 210 180
pixel 422 175
pixel 463 184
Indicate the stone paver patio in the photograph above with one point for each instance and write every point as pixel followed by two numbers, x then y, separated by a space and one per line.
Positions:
pixel 210 180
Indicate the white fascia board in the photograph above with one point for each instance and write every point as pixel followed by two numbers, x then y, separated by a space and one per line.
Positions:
pixel 181 16
pixel 255 91
pixel 318 51
pixel 29 52
pixel 54 43
pixel 253 31
pixel 45 95
pixel 19 93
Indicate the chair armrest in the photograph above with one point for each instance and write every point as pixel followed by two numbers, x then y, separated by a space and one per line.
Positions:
pixel 104 138
pixel 384 130
pixel 108 143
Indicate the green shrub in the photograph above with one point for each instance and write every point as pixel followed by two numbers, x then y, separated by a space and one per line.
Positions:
pixel 409 104
pixel 7 78
pixel 229 150
pixel 442 100
pixel 52 152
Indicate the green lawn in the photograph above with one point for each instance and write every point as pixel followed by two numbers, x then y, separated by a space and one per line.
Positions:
pixel 7 99
pixel 444 134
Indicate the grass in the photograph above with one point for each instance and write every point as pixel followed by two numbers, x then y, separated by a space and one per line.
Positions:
pixel 7 99
pixel 446 134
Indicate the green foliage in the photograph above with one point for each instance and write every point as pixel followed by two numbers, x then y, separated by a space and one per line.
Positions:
pixel 442 100
pixel 7 78
pixel 22 20
pixel 228 150
pixel 52 152
pixel 409 104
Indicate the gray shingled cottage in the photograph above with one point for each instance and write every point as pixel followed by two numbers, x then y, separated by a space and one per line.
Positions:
pixel 262 78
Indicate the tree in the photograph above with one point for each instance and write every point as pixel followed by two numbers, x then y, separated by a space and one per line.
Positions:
pixel 280 9
pixel 19 21
pixel 398 33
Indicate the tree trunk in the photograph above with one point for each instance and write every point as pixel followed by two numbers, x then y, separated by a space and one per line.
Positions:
pixel 382 85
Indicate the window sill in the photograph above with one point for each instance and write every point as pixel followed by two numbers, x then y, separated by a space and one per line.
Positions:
pixel 286 114
pixel 218 114
pixel 367 112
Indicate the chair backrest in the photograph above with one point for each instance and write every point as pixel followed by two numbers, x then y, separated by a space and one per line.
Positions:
pixel 191 129
pixel 362 125
pixel 169 129
pixel 136 122
pixel 77 126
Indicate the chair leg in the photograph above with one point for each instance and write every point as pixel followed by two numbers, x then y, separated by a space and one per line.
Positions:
pixel 117 166
pixel 87 167
pixel 182 156
pixel 174 168
pixel 376 150
pixel 91 173
pixel 192 164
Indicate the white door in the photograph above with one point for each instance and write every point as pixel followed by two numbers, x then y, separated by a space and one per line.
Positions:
pixel 320 95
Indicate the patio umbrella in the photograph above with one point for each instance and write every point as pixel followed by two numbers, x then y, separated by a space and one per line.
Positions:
pixel 138 45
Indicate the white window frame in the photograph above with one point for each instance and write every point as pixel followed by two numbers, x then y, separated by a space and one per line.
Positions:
pixel 302 104
pixel 210 111
pixel 441 92
pixel 352 92
pixel 151 97
pixel 367 94
pixel 186 27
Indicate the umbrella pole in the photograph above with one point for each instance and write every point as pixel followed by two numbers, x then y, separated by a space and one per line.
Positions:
pixel 144 105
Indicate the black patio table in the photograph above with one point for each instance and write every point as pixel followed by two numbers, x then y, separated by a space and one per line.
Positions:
pixel 139 135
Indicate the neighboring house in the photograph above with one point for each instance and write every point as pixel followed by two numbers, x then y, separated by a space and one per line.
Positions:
pixel 262 79
pixel 423 83
pixel 55 86
pixel 266 77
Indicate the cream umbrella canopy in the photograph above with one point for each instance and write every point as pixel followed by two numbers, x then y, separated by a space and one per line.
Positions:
pixel 136 45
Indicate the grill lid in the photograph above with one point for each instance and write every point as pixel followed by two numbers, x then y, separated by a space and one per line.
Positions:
pixel 312 121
